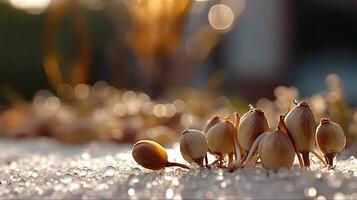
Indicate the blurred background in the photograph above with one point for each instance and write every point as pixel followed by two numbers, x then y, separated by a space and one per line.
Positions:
pixel 261 44
pixel 172 63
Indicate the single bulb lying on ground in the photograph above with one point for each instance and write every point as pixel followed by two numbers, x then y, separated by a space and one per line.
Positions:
pixel 301 124
pixel 330 138
pixel 252 124
pixel 193 146
pixel 152 155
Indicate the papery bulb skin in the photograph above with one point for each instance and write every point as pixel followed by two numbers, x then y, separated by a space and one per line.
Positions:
pixel 211 122
pixel 252 124
pixel 330 138
pixel 301 124
pixel 193 146
pixel 276 151
pixel 220 138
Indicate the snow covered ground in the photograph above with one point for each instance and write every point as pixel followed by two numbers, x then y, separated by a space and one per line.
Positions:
pixel 44 169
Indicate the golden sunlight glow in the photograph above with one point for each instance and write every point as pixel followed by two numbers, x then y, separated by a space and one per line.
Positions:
pixel 157 24
pixel 119 109
pixel 65 91
pixel 52 70
pixel 188 120
pixel 355 116
pixel 31 6
pixel 318 103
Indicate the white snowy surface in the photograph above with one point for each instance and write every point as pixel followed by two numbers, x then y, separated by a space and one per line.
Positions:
pixel 44 169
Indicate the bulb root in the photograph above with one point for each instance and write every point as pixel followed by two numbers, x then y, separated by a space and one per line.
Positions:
pixel 282 126
pixel 319 157
pixel 199 161
pixel 306 158
pixel 174 164
pixel 237 149
pixel 329 159
pixel 254 147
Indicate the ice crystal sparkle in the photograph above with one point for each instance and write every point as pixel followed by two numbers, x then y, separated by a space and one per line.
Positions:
pixel 43 169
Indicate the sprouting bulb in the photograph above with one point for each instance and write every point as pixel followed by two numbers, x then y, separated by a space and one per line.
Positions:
pixel 275 149
pixel 252 124
pixel 301 124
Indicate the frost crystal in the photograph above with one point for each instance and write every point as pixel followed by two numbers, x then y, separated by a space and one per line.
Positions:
pixel 43 169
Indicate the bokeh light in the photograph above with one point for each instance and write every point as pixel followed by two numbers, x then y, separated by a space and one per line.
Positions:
pixel 221 17
pixel 31 6
pixel 81 91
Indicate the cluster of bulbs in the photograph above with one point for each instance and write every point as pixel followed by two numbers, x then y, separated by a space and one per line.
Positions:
pixel 248 139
